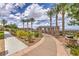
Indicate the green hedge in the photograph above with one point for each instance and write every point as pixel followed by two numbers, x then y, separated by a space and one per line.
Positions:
pixel 1 34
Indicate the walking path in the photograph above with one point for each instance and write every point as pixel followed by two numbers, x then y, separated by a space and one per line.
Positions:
pixel 12 44
pixel 50 47
pixel 47 48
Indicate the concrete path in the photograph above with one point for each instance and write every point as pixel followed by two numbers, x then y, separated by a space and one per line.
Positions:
pixel 12 44
pixel 47 48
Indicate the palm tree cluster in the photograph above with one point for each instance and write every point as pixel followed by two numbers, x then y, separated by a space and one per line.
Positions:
pixel 63 8
pixel 31 20
pixel 59 8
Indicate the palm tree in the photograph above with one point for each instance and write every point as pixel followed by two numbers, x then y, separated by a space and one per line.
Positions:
pixel 63 8
pixel 27 20
pixel 32 20
pixel 4 22
pixel 23 21
pixel 50 14
pixel 56 10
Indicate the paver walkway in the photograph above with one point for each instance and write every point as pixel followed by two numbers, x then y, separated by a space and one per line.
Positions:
pixel 12 44
pixel 47 48
pixel 50 47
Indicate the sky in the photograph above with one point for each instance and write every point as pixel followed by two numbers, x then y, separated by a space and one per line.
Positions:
pixel 14 12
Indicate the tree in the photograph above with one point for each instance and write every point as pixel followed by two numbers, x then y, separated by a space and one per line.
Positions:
pixel 73 14
pixel 13 26
pixel 56 10
pixel 4 22
pixel 27 20
pixel 50 14
pixel 63 8
pixel 32 20
pixel 23 21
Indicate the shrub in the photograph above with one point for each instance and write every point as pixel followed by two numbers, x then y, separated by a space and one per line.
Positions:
pixel 75 50
pixel 13 31
pixel 26 35
pixel 1 35
pixel 36 34
pixel 29 36
pixel 21 33
pixel 76 35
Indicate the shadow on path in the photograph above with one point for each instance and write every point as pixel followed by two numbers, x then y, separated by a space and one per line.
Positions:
pixel 7 35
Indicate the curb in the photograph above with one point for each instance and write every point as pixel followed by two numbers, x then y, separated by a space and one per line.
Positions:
pixel 60 47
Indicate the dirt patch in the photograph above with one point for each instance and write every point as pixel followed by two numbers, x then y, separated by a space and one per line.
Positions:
pixel 61 39
pixel 35 40
pixel 2 47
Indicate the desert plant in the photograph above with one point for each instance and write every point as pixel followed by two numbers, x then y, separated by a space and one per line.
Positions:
pixel 29 36
pixel 21 34
pixel 36 34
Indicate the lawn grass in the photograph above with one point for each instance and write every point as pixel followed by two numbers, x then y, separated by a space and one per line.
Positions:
pixel 1 35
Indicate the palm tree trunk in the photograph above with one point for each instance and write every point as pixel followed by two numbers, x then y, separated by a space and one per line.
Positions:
pixel 23 25
pixel 63 23
pixel 27 25
pixel 56 28
pixel 50 25
pixel 56 20
pixel 31 25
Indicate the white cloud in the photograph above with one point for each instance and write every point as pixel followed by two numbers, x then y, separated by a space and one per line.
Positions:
pixel 7 8
pixel 35 11
pixel 19 4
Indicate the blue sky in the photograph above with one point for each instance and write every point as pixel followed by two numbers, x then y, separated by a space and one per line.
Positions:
pixel 14 12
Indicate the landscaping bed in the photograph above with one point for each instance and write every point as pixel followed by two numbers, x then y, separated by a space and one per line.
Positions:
pixel 70 41
pixel 74 50
pixel 27 37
